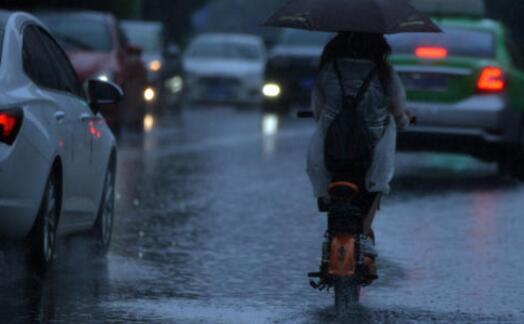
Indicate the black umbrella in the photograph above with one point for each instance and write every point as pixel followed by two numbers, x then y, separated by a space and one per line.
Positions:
pixel 373 16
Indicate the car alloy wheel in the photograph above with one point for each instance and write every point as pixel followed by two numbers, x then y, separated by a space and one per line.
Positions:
pixel 49 223
pixel 43 237
pixel 103 228
pixel 108 210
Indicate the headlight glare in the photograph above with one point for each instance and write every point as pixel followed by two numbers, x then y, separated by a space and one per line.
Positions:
pixel 149 94
pixel 271 90
pixel 155 65
pixel 175 84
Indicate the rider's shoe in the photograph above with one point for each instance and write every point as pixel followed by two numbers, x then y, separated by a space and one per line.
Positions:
pixel 371 273
pixel 367 246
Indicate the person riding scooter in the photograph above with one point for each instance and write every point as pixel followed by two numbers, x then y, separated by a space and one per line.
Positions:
pixel 354 67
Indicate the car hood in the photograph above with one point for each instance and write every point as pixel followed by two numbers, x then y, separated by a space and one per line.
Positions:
pixel 222 67
pixel 88 64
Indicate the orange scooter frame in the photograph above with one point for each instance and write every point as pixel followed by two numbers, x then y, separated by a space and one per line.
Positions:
pixel 343 256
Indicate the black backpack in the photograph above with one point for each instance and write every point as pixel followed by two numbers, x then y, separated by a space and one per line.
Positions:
pixel 349 145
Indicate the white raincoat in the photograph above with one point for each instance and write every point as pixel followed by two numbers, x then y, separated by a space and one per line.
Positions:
pixel 327 103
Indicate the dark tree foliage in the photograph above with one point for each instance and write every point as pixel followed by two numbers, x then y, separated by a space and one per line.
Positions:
pixel 176 14
pixel 510 12
pixel 122 8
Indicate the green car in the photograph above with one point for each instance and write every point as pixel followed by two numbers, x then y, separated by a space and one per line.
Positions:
pixel 466 88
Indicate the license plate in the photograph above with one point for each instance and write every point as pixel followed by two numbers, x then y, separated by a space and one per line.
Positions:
pixel 425 82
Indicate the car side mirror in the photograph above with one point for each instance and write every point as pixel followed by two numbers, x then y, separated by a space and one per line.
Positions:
pixel 103 93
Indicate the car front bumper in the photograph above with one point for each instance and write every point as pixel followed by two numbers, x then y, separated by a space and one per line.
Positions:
pixel 222 90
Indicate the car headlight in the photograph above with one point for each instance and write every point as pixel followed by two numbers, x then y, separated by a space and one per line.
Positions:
pixel 149 94
pixel 271 90
pixel 154 65
pixel 175 84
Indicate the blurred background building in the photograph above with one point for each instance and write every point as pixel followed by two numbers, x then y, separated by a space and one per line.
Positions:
pixel 176 14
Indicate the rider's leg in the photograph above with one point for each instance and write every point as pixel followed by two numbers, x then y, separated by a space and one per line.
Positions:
pixel 369 242
pixel 368 220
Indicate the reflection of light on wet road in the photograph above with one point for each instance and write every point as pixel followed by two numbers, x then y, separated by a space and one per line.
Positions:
pixel 483 219
pixel 270 124
pixel 149 123
pixel 454 162
pixel 481 237
pixel 150 143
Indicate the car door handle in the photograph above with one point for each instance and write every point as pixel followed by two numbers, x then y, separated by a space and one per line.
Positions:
pixel 87 117
pixel 60 115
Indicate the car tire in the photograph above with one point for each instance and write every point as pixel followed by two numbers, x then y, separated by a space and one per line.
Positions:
pixel 103 229
pixel 504 166
pixel 43 237
pixel 516 162
pixel 517 168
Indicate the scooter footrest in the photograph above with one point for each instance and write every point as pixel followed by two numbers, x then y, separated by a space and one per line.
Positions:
pixel 314 275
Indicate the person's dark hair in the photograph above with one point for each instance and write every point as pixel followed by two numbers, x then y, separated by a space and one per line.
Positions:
pixel 370 46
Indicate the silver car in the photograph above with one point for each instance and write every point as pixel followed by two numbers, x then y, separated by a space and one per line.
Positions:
pixel 57 155
pixel 225 68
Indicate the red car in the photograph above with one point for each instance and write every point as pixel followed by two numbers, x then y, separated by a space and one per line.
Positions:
pixel 99 49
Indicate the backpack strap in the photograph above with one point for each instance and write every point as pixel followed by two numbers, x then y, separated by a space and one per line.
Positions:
pixel 363 89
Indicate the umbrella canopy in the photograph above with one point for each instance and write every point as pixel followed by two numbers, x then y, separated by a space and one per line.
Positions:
pixel 372 16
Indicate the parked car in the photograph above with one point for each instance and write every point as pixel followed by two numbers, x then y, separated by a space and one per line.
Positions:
pixel 465 87
pixel 162 60
pixel 57 155
pixel 98 48
pixel 224 68
pixel 291 70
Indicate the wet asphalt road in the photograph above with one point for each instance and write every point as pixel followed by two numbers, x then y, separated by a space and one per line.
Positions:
pixel 216 224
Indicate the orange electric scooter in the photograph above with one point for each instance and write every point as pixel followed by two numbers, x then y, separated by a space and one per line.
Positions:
pixel 343 265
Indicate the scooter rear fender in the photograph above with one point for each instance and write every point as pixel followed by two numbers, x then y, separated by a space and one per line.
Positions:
pixel 343 261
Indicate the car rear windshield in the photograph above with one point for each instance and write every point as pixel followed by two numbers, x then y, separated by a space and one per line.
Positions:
pixel 82 35
pixel 224 50
pixel 295 37
pixel 457 41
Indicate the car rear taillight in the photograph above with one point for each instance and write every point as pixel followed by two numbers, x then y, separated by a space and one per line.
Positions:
pixel 492 79
pixel 10 123
pixel 432 53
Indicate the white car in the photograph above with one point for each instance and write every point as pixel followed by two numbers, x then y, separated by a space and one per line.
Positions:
pixel 225 68
pixel 57 155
